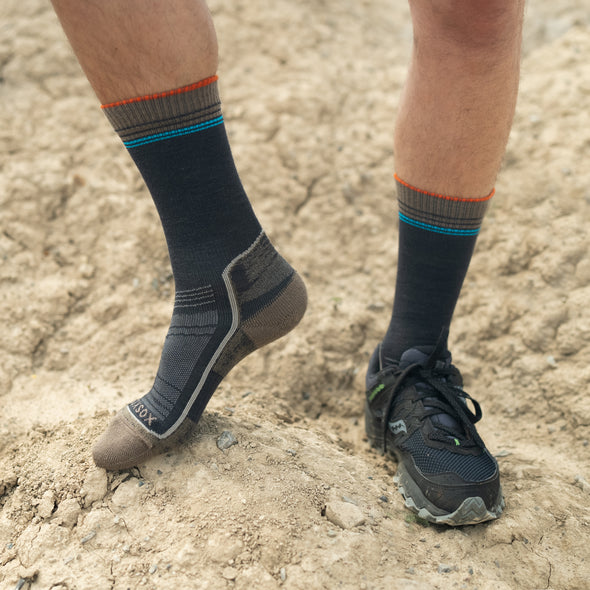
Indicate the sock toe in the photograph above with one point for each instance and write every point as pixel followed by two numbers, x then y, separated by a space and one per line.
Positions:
pixel 123 444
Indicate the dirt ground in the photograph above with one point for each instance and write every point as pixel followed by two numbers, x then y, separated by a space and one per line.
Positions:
pixel 310 90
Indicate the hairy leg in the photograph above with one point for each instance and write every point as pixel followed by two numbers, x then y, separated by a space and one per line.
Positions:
pixel 137 47
pixel 459 99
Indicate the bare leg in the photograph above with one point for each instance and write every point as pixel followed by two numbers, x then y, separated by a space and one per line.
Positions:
pixel 459 99
pixel 137 47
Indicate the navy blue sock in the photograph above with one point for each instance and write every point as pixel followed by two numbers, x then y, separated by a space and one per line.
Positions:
pixel 437 235
pixel 234 292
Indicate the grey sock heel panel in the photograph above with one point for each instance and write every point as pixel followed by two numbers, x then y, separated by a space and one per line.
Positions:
pixel 280 316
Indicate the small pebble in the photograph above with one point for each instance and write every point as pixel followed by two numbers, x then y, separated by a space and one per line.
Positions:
pixel 344 514
pixel 95 486
pixel 445 569
pixel 67 512
pixel 153 569
pixel 9 545
pixel 88 537
pixel 291 452
pixel 47 504
pixel 582 483
pixel 384 498
pixel 283 574
pixel 20 584
pixel 349 500
pixel 411 571
pixel 226 440
pixel 230 573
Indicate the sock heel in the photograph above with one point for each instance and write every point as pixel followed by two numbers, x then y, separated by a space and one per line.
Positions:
pixel 280 316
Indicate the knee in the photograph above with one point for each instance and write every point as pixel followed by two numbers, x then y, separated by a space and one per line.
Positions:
pixel 469 25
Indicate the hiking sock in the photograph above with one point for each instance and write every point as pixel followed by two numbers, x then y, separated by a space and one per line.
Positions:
pixel 234 292
pixel 437 235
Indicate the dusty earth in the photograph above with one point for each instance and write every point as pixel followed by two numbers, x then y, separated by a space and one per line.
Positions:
pixel 310 90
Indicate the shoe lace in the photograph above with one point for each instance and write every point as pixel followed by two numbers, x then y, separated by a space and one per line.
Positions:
pixel 434 383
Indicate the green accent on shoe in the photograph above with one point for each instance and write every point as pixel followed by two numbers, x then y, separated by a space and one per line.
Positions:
pixel 375 391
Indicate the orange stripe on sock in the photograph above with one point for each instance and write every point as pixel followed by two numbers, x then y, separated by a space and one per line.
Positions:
pixel 461 199
pixel 188 88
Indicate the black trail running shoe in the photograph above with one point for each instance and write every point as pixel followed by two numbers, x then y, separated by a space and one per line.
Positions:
pixel 416 411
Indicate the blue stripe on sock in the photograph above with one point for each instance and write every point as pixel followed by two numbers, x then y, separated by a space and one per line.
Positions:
pixel 437 229
pixel 174 133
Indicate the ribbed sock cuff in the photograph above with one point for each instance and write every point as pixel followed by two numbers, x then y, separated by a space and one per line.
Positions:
pixel 155 117
pixel 440 213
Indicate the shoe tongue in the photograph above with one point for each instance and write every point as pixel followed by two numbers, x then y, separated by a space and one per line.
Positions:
pixel 420 355
pixel 414 355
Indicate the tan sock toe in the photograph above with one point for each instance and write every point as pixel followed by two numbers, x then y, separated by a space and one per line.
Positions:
pixel 124 444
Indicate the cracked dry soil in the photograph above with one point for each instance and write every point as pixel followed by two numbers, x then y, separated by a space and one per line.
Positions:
pixel 310 91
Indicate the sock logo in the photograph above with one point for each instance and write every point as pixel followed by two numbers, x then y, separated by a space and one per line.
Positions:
pixel 397 427
pixel 142 412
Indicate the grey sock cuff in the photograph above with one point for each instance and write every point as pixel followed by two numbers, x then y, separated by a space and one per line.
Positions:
pixel 439 211
pixel 166 112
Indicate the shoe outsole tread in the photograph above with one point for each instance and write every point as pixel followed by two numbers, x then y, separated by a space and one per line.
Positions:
pixel 471 511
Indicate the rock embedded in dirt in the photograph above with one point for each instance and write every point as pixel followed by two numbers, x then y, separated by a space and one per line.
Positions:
pixel 221 547
pixel 582 483
pixel 128 493
pixel 344 514
pixel 46 505
pixel 226 440
pixel 257 577
pixel 67 513
pixel 230 573
pixel 95 486
pixel 7 482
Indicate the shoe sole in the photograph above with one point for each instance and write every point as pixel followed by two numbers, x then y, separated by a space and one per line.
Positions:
pixel 471 511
